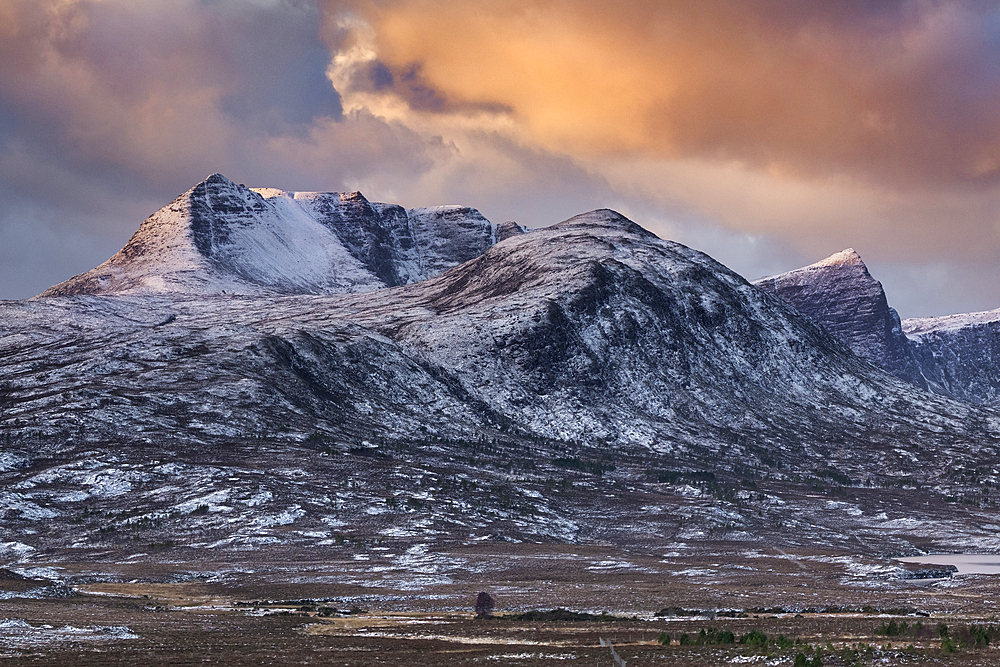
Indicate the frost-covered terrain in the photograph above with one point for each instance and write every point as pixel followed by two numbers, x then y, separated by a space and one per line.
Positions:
pixel 585 382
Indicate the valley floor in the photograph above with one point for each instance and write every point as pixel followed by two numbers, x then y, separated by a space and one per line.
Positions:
pixel 843 608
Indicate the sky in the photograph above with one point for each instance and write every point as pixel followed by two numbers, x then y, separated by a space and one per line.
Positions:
pixel 767 133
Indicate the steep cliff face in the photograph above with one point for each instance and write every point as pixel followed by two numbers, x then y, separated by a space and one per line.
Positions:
pixel 840 294
pixel 956 355
pixel 220 237
pixel 960 353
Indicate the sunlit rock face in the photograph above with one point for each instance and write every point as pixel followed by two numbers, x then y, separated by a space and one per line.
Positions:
pixel 840 294
pixel 220 237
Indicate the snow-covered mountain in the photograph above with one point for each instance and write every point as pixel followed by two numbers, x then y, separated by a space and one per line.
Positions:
pixel 955 355
pixel 840 294
pixel 641 366
pixel 960 354
pixel 220 237
pixel 590 329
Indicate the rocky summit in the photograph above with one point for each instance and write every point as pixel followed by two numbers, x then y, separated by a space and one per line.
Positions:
pixel 220 237
pixel 953 355
pixel 586 382
pixel 841 295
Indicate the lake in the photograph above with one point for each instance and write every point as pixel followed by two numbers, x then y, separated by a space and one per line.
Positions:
pixel 966 563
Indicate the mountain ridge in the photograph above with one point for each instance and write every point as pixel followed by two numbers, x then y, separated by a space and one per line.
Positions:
pixel 585 382
pixel 220 237
pixel 589 310
pixel 840 294
pixel 953 355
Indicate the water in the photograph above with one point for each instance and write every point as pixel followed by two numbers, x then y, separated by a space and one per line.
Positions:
pixel 966 563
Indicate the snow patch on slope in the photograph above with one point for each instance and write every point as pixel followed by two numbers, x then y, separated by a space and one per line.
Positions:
pixel 916 326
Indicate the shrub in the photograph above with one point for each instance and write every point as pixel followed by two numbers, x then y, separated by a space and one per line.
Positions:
pixel 713 637
pixel 754 639
pixel 484 604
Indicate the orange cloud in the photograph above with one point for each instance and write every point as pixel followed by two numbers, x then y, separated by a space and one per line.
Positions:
pixel 900 93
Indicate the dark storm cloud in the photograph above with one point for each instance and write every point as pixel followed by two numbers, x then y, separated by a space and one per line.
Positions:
pixel 410 85
pixel 280 68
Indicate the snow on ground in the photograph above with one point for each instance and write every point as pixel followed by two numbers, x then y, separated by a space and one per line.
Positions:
pixel 16 633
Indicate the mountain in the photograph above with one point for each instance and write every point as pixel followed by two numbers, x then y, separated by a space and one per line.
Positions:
pixel 960 354
pixel 956 355
pixel 841 295
pixel 222 237
pixel 589 329
pixel 585 381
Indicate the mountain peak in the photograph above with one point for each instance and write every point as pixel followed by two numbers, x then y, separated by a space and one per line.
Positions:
pixel 218 179
pixel 841 295
pixel 222 237
pixel 606 218
pixel 848 257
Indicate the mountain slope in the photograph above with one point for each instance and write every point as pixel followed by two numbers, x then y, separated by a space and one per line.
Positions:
pixel 223 237
pixel 594 328
pixel 586 381
pixel 840 294
pixel 956 355
pixel 960 354
pixel 591 330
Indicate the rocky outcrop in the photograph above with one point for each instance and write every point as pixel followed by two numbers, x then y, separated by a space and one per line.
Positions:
pixel 840 294
pixel 507 229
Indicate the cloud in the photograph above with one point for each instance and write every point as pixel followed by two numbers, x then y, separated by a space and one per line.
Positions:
pixel 902 93
pixel 783 126
pixel 821 216
pixel 159 88
pixel 769 133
